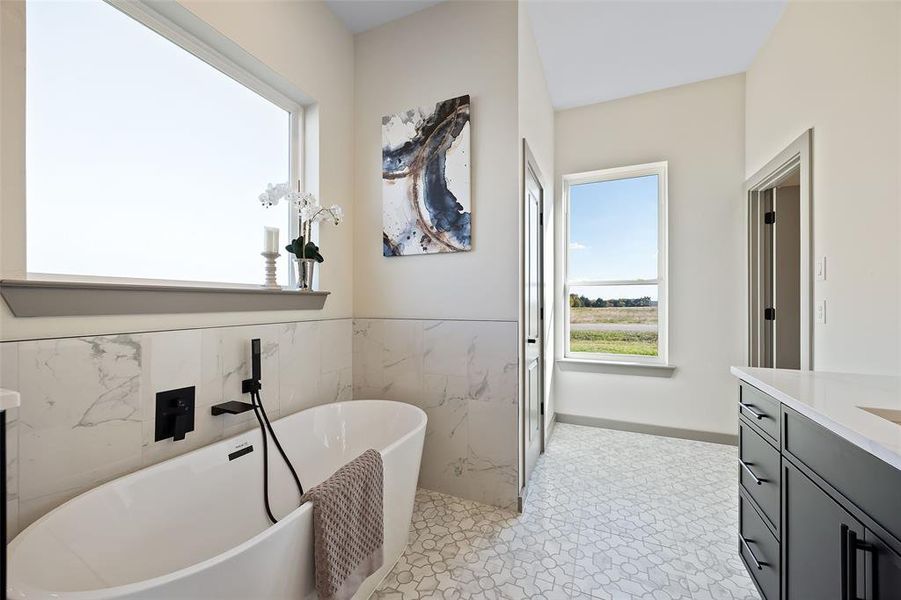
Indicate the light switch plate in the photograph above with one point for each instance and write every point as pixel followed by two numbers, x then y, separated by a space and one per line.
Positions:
pixel 821 311
pixel 820 268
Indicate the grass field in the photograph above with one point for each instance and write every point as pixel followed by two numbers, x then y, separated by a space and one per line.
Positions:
pixel 642 343
pixel 613 341
pixel 614 315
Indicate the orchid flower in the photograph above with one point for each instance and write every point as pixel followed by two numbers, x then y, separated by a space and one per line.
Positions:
pixel 307 205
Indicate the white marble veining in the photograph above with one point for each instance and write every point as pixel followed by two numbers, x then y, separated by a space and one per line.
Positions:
pixel 88 404
pixel 80 422
pixel 464 375
pixel 837 401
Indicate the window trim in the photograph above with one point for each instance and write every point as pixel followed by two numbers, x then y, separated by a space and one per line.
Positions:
pixel 172 23
pixel 662 281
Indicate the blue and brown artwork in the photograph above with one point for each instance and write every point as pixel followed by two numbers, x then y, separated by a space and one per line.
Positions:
pixel 426 205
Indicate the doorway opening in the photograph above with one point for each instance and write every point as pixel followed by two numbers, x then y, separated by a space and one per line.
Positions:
pixel 779 261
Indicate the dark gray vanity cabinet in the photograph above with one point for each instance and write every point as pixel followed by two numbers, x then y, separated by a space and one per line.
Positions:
pixel 819 518
pixel 884 565
pixel 815 542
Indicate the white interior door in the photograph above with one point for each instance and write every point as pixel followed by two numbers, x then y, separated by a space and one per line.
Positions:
pixel 532 328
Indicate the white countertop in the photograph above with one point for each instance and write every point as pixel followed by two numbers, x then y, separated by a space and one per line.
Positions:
pixel 835 401
pixel 9 399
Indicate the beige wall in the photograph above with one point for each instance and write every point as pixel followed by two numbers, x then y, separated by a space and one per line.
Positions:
pixel 536 125
pixel 836 66
pixel 452 49
pixel 698 128
pixel 290 38
pixel 420 331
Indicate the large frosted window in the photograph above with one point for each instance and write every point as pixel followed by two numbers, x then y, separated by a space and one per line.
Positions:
pixel 142 160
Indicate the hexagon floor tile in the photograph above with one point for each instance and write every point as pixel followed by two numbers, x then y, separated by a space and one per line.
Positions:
pixel 610 515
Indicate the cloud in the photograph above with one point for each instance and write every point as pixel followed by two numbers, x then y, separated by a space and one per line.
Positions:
pixel 577 246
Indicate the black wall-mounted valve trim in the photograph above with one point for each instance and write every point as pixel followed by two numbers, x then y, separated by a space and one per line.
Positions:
pixel 174 414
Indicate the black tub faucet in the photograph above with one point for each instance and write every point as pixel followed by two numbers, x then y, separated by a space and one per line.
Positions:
pixel 248 386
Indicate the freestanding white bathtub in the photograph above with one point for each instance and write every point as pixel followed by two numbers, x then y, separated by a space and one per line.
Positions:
pixel 195 527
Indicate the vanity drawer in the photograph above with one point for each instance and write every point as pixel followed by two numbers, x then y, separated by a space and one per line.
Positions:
pixel 759 472
pixel 758 548
pixel 760 409
pixel 871 484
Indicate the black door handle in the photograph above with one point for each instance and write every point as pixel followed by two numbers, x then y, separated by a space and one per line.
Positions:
pixel 846 574
pixel 849 548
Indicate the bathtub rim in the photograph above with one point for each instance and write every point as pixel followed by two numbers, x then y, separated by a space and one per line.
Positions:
pixel 137 586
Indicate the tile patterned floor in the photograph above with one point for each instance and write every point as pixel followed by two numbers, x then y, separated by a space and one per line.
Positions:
pixel 610 515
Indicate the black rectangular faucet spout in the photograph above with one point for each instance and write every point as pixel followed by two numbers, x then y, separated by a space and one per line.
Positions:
pixel 232 407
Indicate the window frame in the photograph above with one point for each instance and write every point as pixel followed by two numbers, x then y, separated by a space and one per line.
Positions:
pixel 661 281
pixel 146 14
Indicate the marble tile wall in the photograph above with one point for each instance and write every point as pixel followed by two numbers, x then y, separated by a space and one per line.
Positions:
pixel 464 375
pixel 88 403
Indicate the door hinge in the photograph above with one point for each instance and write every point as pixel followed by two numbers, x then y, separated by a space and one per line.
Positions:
pixel 542 408
pixel 769 218
pixel 769 314
pixel 541 219
pixel 541 314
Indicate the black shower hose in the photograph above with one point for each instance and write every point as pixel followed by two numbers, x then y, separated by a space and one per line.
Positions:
pixel 260 412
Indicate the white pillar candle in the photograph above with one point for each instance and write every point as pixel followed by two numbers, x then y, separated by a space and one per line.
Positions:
pixel 270 240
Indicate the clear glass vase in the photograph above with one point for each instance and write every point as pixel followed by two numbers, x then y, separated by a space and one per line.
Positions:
pixel 303 272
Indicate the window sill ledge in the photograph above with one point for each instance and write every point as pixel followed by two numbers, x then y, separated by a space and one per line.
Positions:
pixel 616 367
pixel 49 298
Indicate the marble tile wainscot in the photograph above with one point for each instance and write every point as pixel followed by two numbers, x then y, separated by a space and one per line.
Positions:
pixel 464 375
pixel 87 402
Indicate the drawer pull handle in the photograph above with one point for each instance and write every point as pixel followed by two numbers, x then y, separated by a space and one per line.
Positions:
pixel 747 468
pixel 750 408
pixel 759 564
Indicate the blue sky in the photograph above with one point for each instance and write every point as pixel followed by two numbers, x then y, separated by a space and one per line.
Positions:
pixel 613 233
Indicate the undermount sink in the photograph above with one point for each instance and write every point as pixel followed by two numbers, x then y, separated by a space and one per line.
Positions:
pixel 889 414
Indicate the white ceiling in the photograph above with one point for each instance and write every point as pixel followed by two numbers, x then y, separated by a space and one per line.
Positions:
pixel 597 50
pixel 360 15
pixel 600 50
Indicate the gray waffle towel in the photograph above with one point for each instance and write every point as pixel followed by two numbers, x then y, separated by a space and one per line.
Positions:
pixel 348 526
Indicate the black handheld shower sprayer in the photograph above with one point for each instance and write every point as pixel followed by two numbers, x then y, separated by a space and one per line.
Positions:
pixel 253 386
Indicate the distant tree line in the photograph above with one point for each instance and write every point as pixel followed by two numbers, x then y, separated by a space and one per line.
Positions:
pixel 577 301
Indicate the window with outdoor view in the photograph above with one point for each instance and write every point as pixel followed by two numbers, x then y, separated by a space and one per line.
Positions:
pixel 615 284
pixel 144 160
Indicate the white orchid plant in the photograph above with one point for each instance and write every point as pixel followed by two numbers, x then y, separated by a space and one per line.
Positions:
pixel 309 211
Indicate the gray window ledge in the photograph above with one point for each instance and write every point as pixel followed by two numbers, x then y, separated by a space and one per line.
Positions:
pixel 616 367
pixel 43 298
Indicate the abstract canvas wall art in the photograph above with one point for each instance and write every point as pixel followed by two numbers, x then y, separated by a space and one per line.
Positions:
pixel 426 206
